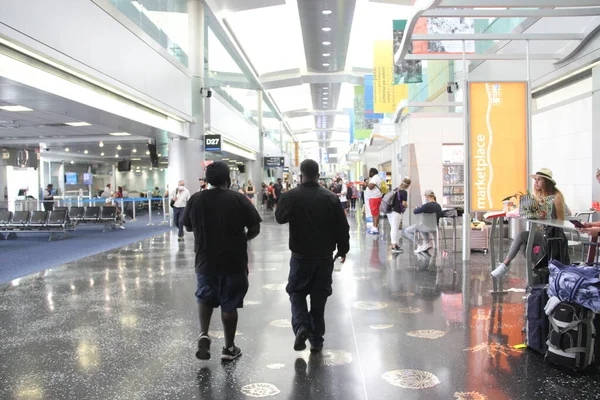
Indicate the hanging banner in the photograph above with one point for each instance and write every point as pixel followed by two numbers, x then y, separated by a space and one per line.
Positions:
pixel 386 95
pixel 498 138
pixel 369 105
pixel 404 71
pixel 362 126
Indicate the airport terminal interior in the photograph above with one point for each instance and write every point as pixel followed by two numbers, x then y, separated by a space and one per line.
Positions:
pixel 459 136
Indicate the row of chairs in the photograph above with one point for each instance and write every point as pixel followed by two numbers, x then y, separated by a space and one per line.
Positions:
pixel 92 214
pixel 37 221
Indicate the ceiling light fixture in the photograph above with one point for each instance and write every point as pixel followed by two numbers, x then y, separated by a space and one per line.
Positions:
pixel 120 134
pixel 119 147
pixel 85 152
pixel 77 124
pixel 101 144
pixel 72 162
pixel 326 12
pixel 15 108
pixel 326 43
pixel 326 29
pixel 67 149
pixel 134 150
pixel 136 159
pixel 326 54
pixel 116 156
pixel 147 152
pixel 102 154
pixel 326 64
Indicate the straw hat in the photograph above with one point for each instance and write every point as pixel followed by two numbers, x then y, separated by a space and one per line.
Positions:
pixel 544 173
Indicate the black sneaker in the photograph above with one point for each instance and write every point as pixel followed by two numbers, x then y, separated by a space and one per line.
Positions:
pixel 316 348
pixel 230 354
pixel 301 336
pixel 397 250
pixel 203 352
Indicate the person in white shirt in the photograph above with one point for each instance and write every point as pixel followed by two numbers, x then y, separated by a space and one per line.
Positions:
pixel 341 191
pixel 373 194
pixel 107 192
pixel 179 201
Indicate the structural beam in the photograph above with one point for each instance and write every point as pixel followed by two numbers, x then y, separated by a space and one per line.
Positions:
pixel 512 13
pixel 500 36
pixel 484 57
pixel 517 3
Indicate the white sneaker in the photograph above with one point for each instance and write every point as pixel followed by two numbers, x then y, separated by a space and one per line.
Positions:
pixel 427 246
pixel 420 249
pixel 501 270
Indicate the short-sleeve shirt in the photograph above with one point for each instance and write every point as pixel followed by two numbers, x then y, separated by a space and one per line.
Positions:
pixel 219 219
pixel 376 191
pixel 399 197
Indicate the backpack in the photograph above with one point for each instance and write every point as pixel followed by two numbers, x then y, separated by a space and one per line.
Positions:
pixel 384 188
pixel 571 342
pixel 386 203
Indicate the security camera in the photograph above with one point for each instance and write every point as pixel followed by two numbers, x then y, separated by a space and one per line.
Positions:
pixel 451 86
pixel 205 92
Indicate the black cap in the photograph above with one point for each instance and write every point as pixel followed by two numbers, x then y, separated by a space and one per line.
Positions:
pixel 217 173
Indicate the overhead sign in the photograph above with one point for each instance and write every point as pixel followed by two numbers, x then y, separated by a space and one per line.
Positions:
pixel 212 142
pixel 498 138
pixel 273 162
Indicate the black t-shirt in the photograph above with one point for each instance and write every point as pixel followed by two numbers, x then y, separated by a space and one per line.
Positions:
pixel 278 187
pixel 399 197
pixel 218 219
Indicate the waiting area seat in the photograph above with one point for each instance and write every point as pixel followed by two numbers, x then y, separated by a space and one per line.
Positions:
pixel 52 222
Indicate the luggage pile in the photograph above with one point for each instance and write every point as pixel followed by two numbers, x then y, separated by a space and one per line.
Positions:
pixel 562 321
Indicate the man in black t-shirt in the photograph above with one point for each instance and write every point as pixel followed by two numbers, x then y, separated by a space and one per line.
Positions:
pixel 277 189
pixel 222 221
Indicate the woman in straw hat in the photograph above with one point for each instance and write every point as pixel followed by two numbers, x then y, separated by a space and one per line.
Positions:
pixel 544 189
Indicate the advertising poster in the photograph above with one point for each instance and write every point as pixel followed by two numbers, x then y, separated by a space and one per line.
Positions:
pixel 369 103
pixel 498 137
pixel 404 71
pixel 362 126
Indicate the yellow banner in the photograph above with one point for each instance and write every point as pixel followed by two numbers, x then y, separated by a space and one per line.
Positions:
pixel 386 95
pixel 498 134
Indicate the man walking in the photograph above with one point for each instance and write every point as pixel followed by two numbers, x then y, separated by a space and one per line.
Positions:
pixel 179 201
pixel 219 218
pixel 277 190
pixel 374 196
pixel 317 226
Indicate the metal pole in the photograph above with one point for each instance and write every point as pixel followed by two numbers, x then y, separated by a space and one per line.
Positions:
pixel 466 246
pixel 164 205
pixel 149 208
pixel 528 141
pixel 133 205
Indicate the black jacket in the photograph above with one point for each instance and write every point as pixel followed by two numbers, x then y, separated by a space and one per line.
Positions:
pixel 317 221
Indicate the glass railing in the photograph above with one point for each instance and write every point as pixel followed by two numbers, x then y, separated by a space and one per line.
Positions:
pixel 143 17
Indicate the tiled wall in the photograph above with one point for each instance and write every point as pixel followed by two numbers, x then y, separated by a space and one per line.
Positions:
pixel 561 141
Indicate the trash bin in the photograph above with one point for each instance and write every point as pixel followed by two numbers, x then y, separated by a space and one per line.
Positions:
pixel 516 226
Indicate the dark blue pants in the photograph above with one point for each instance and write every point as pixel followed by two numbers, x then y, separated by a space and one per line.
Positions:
pixel 310 276
pixel 178 219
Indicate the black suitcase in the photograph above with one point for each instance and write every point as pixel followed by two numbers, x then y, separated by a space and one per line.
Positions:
pixel 537 326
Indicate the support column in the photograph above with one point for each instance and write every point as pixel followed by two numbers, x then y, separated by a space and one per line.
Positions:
pixel 186 156
pixel 595 133
pixel 258 170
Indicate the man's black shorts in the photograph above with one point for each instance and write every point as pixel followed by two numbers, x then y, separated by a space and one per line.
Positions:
pixel 227 291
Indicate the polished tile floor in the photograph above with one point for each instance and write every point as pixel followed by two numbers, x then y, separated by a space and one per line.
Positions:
pixel 123 325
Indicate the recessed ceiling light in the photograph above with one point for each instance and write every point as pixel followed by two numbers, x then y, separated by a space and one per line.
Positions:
pixel 85 152
pixel 116 156
pixel 326 54
pixel 77 124
pixel 326 43
pixel 120 134
pixel 326 12
pixel 119 147
pixel 136 159
pixel 134 150
pixel 102 154
pixel 147 152
pixel 326 64
pixel 101 144
pixel 325 98
pixel 15 108
pixel 72 162
pixel 326 29
pixel 160 155
pixel 67 149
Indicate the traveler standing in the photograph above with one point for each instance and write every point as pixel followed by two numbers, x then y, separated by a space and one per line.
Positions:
pixel 277 190
pixel 48 198
pixel 219 218
pixel 317 226
pixel 234 186
pixel 250 191
pixel 373 196
pixel 107 192
pixel 399 204
pixel 350 197
pixel 179 201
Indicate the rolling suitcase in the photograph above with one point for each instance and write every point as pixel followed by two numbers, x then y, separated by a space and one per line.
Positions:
pixel 537 326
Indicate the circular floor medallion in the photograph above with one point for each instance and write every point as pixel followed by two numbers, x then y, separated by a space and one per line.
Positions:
pixel 260 390
pixel 276 366
pixel 370 305
pixel 427 334
pixel 381 326
pixel 281 323
pixel 409 310
pixel 330 358
pixel 275 286
pixel 411 379
pixel 469 396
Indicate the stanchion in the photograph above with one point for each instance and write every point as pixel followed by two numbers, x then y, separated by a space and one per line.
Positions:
pixel 149 208
pixel 164 204
pixel 133 212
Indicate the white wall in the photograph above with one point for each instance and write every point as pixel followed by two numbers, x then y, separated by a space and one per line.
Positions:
pixel 141 183
pixel 561 141
pixel 81 35
pixel 226 120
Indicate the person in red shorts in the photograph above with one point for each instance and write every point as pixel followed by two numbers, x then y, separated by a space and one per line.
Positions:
pixel 374 196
